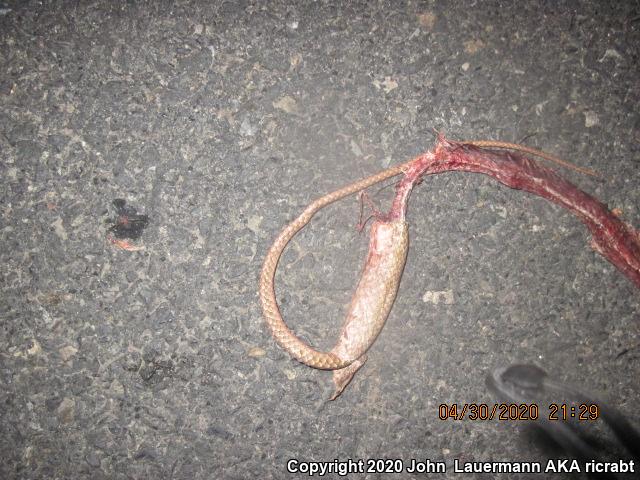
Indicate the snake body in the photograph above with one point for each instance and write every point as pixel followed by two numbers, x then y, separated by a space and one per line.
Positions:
pixel 298 349
pixel 378 284
pixel 373 298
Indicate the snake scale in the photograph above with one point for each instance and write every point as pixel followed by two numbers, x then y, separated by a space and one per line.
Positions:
pixel 377 287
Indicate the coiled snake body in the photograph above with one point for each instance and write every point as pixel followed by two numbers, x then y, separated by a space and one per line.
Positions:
pixel 378 285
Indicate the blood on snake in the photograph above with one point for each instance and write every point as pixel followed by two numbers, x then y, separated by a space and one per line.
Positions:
pixel 388 244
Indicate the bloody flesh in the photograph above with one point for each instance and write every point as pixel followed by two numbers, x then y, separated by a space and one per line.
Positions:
pixel 611 237
pixel 615 240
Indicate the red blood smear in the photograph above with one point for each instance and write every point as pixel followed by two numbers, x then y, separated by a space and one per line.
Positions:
pixel 617 241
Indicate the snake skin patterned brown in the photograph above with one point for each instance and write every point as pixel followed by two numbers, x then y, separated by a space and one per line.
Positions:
pixel 378 285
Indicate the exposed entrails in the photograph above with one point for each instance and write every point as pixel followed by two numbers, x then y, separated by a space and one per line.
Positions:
pixel 617 241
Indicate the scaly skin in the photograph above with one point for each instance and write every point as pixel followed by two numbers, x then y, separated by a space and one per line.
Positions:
pixel 298 349
pixel 378 285
pixel 373 298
